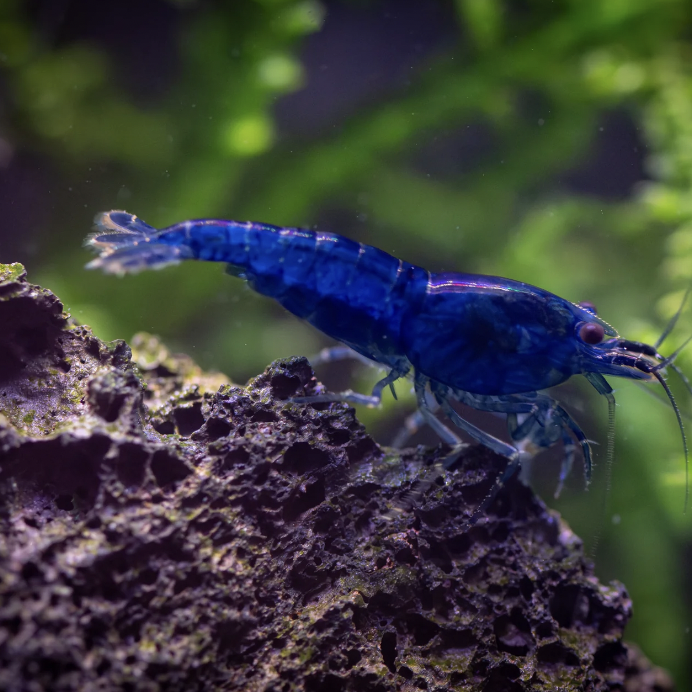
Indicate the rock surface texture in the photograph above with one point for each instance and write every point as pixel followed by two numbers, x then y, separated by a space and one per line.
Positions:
pixel 162 529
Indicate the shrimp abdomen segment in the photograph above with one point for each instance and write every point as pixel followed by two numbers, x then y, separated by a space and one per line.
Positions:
pixel 353 292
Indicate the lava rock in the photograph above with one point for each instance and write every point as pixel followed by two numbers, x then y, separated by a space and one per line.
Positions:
pixel 164 529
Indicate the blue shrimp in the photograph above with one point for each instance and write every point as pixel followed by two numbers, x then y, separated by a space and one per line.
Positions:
pixel 491 343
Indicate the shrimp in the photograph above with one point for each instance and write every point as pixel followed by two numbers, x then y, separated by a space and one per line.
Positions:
pixel 491 343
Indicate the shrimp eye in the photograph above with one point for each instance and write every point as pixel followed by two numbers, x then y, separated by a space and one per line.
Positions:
pixel 591 333
pixel 589 307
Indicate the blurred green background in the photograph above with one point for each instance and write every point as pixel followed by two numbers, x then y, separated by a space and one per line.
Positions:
pixel 547 141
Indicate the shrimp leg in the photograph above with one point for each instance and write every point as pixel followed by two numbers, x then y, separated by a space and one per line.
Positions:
pixel 414 422
pixel 525 434
pixel 332 354
pixel 426 414
pixel 350 397
pixel 496 445
pixel 545 424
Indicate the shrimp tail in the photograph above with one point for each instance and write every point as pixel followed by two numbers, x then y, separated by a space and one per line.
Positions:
pixel 127 245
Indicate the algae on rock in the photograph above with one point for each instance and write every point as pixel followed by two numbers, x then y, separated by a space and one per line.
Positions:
pixel 163 529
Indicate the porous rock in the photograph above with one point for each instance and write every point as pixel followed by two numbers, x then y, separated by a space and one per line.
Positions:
pixel 163 529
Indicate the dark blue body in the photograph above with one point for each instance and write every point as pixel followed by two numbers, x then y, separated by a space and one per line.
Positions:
pixel 484 341
pixel 479 334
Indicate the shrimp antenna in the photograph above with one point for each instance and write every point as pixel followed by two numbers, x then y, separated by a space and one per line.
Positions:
pixel 665 386
pixel 669 360
pixel 673 321
pixel 610 450
pixel 610 456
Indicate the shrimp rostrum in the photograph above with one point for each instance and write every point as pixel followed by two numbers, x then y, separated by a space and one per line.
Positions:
pixel 490 343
